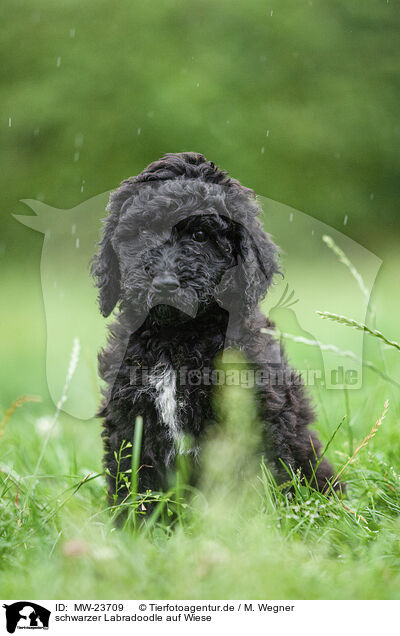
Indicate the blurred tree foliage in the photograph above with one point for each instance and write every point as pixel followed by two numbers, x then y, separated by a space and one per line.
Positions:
pixel 296 98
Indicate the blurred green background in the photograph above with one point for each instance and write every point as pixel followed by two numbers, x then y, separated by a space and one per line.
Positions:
pixel 297 99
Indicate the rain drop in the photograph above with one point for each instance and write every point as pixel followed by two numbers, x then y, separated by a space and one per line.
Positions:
pixel 78 141
pixel 58 62
pixel 346 218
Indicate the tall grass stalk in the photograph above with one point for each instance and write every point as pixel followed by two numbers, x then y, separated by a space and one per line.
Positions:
pixel 13 407
pixel 365 441
pixel 137 446
pixel 328 240
pixel 359 326
pixel 371 312
pixel 333 349
pixel 73 363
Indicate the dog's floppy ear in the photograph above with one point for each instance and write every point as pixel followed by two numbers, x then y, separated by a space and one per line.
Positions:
pixel 105 267
pixel 259 263
pixel 243 285
pixel 105 270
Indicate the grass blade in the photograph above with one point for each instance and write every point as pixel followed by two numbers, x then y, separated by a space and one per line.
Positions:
pixel 359 326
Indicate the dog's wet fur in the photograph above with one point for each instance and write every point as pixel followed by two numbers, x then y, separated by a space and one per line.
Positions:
pixel 186 260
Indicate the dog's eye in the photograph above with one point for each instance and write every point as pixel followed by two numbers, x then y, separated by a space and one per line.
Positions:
pixel 199 236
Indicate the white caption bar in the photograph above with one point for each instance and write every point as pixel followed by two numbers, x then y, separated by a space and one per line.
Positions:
pixel 183 617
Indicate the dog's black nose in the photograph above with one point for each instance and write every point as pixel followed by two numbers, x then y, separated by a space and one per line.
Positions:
pixel 165 282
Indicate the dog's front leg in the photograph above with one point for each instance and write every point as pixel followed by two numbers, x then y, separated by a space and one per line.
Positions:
pixel 287 414
pixel 118 435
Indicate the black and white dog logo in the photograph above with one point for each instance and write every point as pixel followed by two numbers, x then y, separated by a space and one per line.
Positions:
pixel 26 615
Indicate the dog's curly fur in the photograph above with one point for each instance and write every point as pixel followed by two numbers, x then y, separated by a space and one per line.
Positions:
pixel 185 257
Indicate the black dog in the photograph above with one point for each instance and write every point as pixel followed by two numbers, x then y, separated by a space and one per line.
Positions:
pixel 186 258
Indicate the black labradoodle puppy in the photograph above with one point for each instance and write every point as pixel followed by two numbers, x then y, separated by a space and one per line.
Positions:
pixel 186 258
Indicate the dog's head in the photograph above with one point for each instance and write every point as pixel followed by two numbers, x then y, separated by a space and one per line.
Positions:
pixel 181 236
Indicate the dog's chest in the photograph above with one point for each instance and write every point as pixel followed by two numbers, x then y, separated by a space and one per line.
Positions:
pixel 162 385
pixel 181 408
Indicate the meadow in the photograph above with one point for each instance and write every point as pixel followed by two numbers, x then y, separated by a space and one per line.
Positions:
pixel 238 535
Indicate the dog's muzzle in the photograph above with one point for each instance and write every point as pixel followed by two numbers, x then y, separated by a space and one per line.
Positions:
pixel 168 301
pixel 165 283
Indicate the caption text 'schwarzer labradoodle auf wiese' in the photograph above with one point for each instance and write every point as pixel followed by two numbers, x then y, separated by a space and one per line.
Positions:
pixel 186 259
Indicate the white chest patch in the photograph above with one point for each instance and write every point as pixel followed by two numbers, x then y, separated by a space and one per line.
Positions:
pixel 163 382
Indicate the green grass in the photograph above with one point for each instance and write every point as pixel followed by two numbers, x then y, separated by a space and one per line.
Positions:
pixel 237 535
